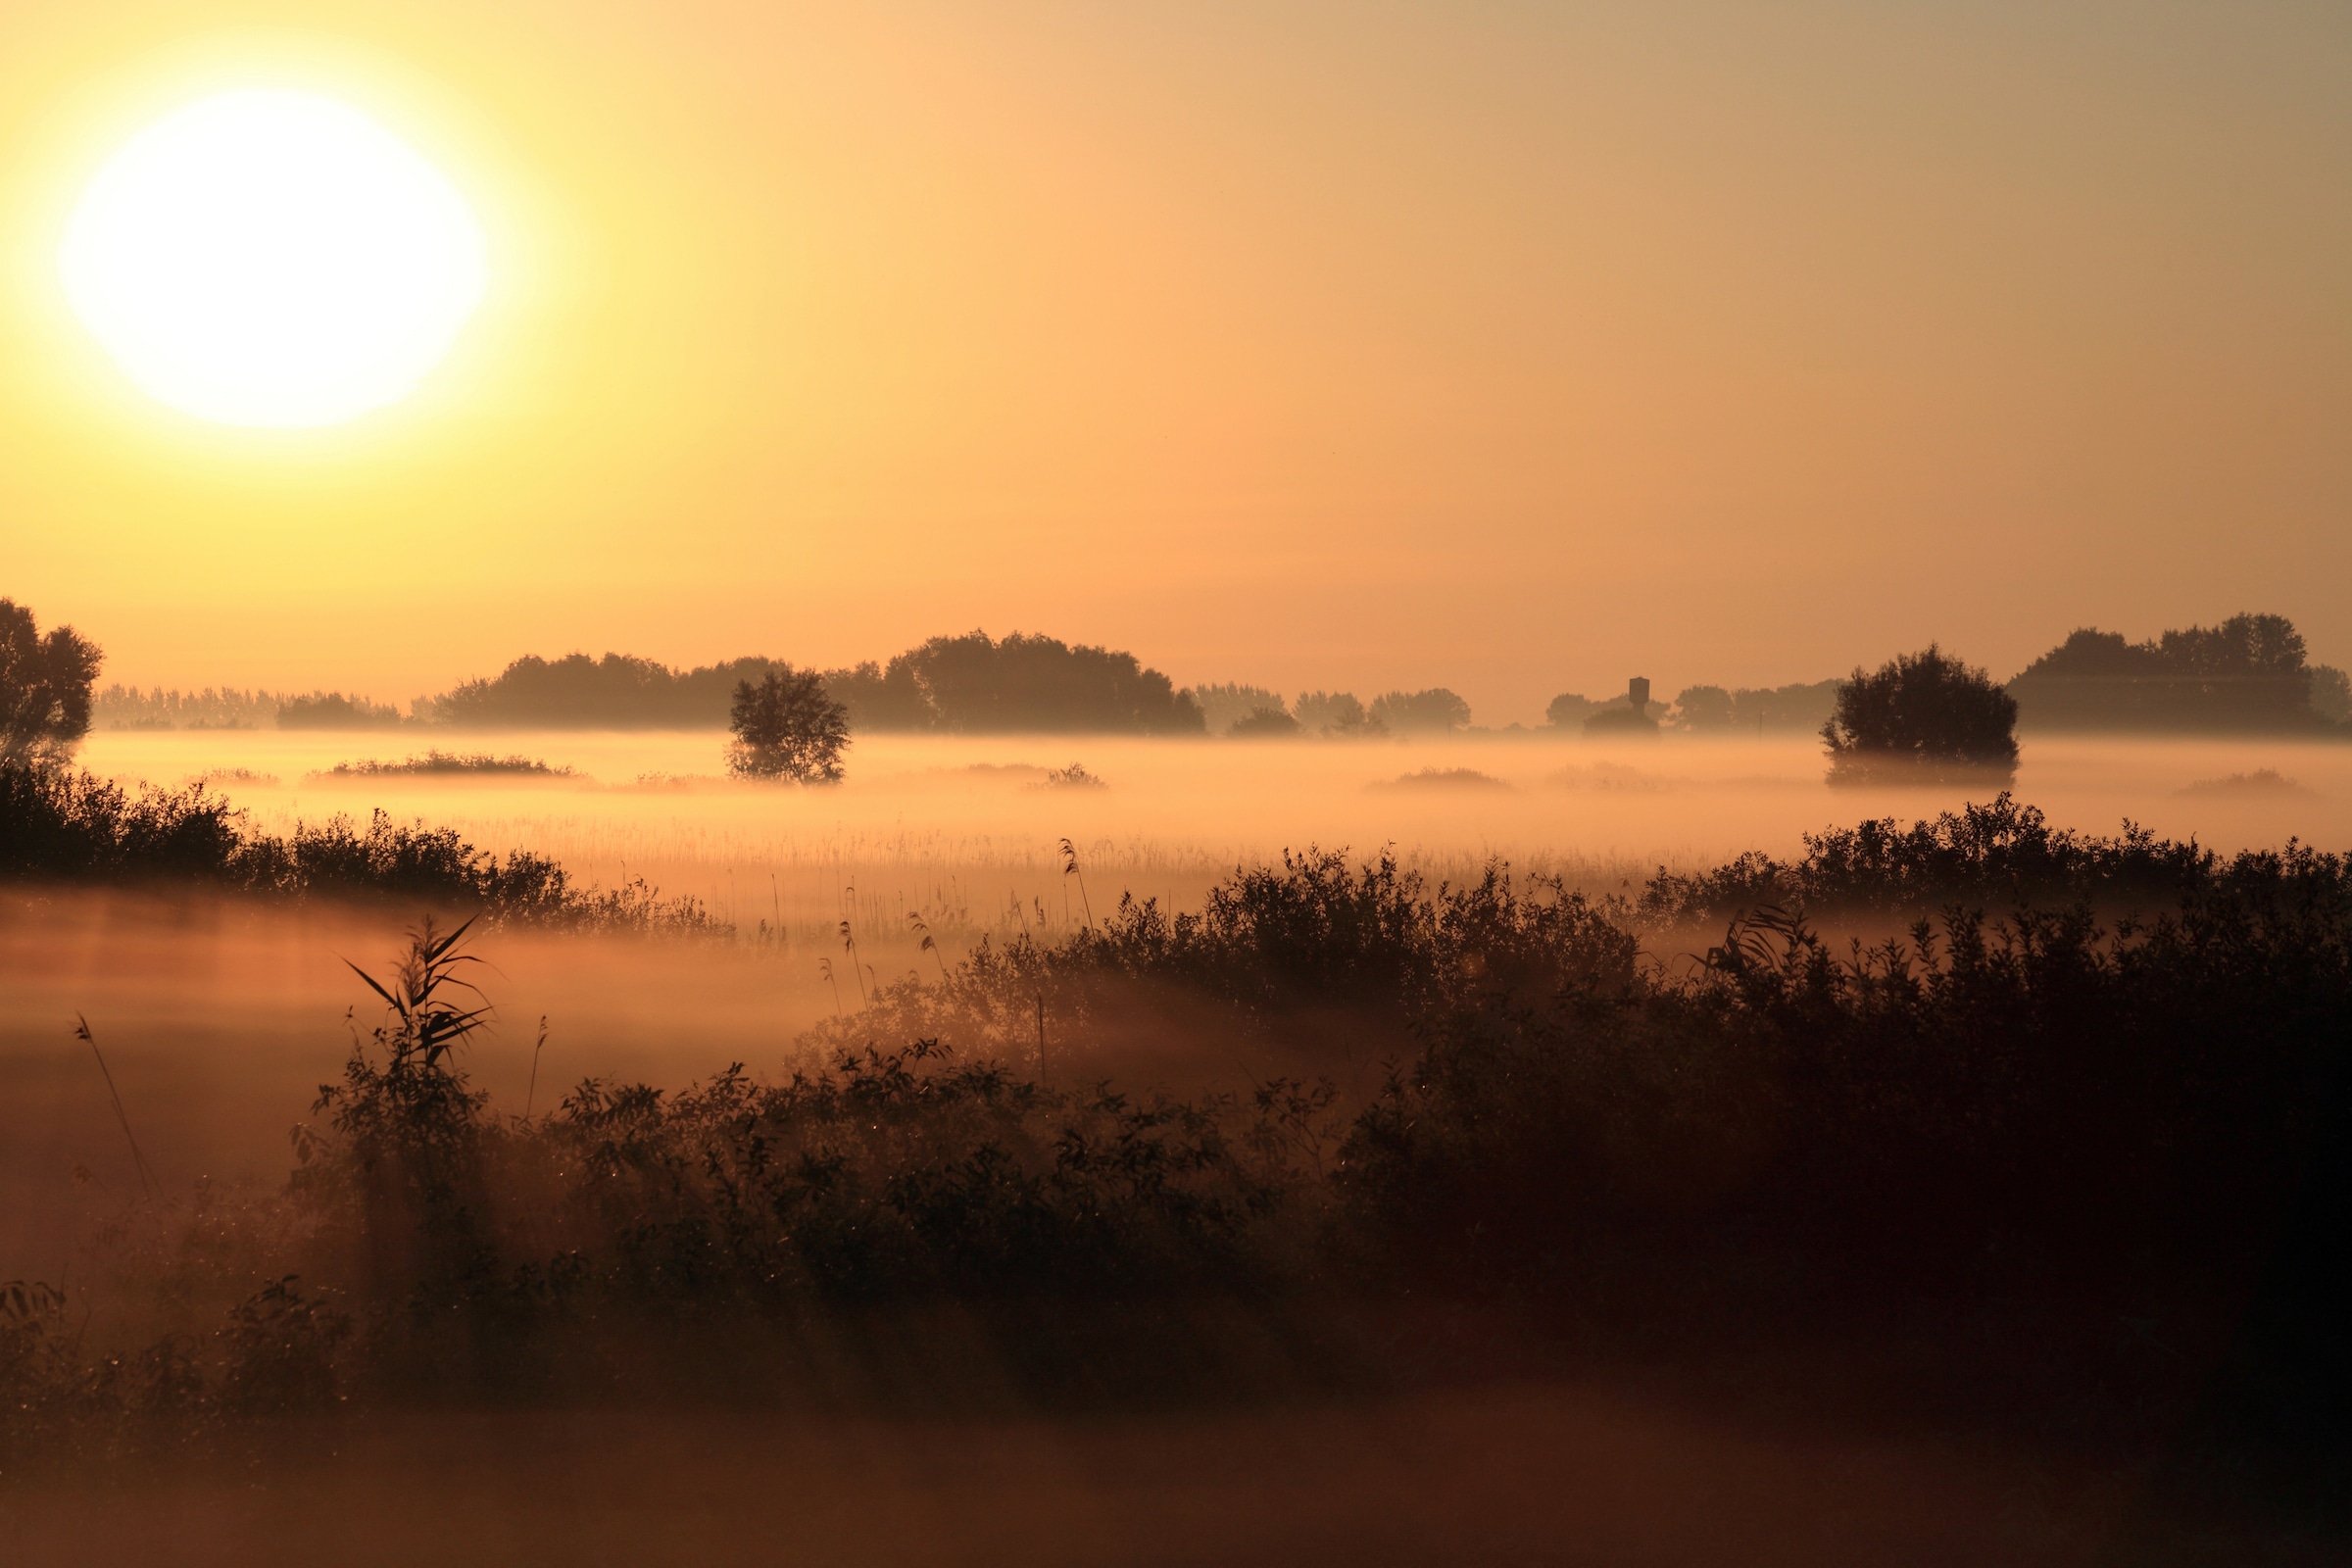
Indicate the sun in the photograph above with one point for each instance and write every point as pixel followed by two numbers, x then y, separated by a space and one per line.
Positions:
pixel 273 258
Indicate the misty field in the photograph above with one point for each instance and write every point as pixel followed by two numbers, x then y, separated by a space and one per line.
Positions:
pixel 1017 1089
pixel 231 1013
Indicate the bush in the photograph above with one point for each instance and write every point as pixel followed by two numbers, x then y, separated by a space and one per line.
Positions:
pixel 787 727
pixel 70 827
pixel 1922 717
pixel 2035 1119
pixel 2002 855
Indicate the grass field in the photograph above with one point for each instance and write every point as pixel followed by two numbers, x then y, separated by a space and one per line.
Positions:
pixel 220 1018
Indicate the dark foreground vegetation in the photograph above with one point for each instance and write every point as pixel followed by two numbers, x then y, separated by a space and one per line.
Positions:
pixel 58 825
pixel 2068 1160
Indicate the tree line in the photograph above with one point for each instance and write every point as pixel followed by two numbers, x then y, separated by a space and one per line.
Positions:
pixel 2250 674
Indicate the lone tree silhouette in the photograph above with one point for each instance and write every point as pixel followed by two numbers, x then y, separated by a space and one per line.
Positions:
pixel 44 689
pixel 1922 717
pixel 787 727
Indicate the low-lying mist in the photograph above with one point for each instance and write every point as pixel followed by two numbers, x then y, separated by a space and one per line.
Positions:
pixel 990 1089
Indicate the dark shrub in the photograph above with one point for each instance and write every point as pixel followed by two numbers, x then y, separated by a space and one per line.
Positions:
pixel 1922 717
pixel 72 827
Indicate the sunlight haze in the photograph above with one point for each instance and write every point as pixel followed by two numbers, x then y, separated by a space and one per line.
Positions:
pixel 1304 345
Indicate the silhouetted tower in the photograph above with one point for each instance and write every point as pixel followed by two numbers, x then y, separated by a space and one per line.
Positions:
pixel 1637 694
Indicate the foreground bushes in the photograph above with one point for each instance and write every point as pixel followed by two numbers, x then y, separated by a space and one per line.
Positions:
pixel 2112 1121
pixel 2000 856
pixel 66 826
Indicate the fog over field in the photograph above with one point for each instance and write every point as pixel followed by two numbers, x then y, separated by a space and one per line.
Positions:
pixel 1157 784
pixel 220 1018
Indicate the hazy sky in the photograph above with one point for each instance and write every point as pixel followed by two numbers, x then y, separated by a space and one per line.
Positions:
pixel 1515 348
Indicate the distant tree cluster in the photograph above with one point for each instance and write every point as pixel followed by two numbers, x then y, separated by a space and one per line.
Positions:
pixel 615 692
pixel 2249 674
pixel 1335 714
pixel 1231 703
pixel 1255 710
pixel 44 689
pixel 120 707
pixel 1800 707
pixel 971 684
pixel 1263 724
pixel 334 711
pixel 975 685
pixel 1434 712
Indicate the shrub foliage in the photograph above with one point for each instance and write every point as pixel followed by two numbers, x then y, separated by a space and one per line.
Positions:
pixel 1924 716
pixel 69 826
pixel 2017 1098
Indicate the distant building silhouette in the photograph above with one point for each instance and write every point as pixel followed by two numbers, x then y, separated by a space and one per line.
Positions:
pixel 1630 718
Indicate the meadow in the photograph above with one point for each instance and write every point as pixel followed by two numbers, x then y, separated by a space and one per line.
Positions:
pixel 1528 1082
pixel 230 1011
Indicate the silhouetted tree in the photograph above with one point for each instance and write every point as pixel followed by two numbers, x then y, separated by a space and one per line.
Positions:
pixel 1921 716
pixel 787 727
pixel 44 689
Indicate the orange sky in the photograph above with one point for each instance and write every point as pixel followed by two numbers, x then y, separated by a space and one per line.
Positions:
pixel 1516 348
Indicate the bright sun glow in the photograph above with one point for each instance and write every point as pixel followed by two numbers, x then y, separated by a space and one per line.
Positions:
pixel 267 258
